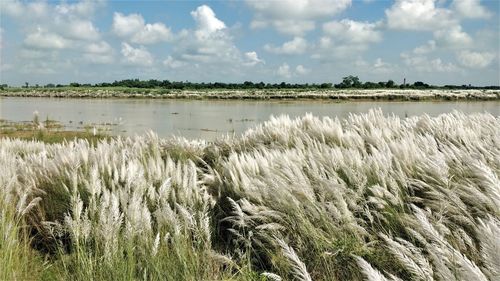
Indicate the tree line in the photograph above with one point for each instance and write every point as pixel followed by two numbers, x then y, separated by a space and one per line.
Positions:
pixel 348 82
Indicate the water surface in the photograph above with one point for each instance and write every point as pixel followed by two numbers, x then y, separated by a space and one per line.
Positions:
pixel 207 118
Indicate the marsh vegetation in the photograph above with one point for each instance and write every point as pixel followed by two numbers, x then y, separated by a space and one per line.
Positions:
pixel 369 197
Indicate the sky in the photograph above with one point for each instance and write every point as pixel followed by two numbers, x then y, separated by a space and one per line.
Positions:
pixel 295 41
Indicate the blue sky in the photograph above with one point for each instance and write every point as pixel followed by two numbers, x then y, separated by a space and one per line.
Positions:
pixel 298 41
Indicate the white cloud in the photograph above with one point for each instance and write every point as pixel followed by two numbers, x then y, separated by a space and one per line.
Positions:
pixel 136 56
pixel 170 62
pixel 80 29
pixel 352 31
pixel 127 25
pixel 292 16
pixel 32 54
pixel 418 15
pixel 251 59
pixel 301 70
pixel 134 28
pixel 284 71
pixel 471 9
pixel 83 8
pixel 46 40
pixel 99 58
pixel 380 66
pixel 429 15
pixel 297 45
pixel 475 59
pixel 453 37
pixel 98 48
pixel 206 21
pixel 99 53
pixel 346 38
pixel 54 27
pixel 209 43
pixel 430 46
pixel 424 64
pixel 12 8
pixel 294 27
pixel 47 66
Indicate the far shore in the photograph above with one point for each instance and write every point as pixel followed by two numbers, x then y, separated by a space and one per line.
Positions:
pixel 257 94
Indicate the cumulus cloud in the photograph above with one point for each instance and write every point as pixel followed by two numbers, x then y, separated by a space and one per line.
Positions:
pixel 418 15
pixel 206 21
pixel 430 46
pixel 428 15
pixel 136 56
pixel 99 53
pixel 51 32
pixel 453 37
pixel 301 70
pixel 134 28
pixel 294 17
pixel 98 48
pixel 210 44
pixel 346 38
pixel 172 63
pixel 353 31
pixel 251 59
pixel 297 45
pixel 46 40
pixel 69 21
pixel 83 8
pixel 475 59
pixel 380 66
pixel 424 64
pixel 284 71
pixel 19 10
pixel 471 9
pixel 81 30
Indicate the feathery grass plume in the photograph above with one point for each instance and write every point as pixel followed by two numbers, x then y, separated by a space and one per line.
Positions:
pixel 489 239
pixel 271 276
pixel 299 268
pixel 370 273
pixel 146 208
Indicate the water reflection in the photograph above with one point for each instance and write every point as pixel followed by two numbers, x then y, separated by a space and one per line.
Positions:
pixel 207 118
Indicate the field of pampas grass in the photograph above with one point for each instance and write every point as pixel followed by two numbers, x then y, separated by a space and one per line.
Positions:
pixel 370 197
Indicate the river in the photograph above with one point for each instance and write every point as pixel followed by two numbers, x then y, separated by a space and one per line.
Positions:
pixel 207 118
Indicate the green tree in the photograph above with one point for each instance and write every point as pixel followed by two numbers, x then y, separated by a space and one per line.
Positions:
pixel 350 82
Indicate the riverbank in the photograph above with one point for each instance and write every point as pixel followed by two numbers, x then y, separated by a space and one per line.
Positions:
pixel 351 94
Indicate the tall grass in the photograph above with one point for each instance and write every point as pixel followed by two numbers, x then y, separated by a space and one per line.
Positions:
pixel 366 198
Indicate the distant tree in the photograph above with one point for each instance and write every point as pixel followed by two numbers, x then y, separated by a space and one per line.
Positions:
pixel 420 85
pixel 27 85
pixel 370 85
pixel 349 82
pixel 50 85
pixel 390 84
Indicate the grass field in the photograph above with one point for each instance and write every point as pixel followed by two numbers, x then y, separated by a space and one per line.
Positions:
pixel 366 198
